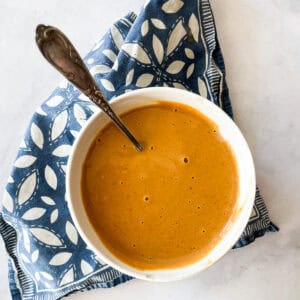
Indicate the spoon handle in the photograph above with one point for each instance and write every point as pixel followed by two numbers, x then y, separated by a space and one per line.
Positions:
pixel 60 53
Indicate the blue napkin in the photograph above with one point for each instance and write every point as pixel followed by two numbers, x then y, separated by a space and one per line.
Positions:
pixel 171 43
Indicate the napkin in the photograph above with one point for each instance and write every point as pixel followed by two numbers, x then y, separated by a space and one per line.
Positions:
pixel 171 43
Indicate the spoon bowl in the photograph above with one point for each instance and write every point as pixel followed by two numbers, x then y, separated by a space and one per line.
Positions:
pixel 228 130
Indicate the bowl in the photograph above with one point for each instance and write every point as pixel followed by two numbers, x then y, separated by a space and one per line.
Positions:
pixel 230 133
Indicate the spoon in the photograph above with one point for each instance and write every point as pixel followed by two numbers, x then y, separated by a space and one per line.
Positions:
pixel 62 55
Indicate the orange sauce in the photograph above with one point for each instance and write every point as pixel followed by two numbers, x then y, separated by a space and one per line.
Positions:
pixel 167 206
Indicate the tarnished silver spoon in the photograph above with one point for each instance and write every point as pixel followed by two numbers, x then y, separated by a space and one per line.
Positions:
pixel 60 53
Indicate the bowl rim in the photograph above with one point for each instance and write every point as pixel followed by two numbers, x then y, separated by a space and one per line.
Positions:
pixel 160 275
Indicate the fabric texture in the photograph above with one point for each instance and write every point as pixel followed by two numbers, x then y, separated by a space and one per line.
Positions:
pixel 171 43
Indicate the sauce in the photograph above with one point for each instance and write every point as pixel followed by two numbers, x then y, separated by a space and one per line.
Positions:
pixel 167 206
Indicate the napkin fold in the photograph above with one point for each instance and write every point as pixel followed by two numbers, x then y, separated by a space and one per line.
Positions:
pixel 171 43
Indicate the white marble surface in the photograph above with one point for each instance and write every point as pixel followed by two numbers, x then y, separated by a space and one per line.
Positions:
pixel 260 41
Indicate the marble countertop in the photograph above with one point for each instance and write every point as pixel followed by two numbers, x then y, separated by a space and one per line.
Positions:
pixel 260 40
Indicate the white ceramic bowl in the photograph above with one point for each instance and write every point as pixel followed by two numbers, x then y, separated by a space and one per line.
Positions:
pixel 231 134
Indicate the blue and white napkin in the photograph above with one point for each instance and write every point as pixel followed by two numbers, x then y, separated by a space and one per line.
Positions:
pixel 171 43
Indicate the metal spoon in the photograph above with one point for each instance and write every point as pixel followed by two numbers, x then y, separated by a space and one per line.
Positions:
pixel 60 53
